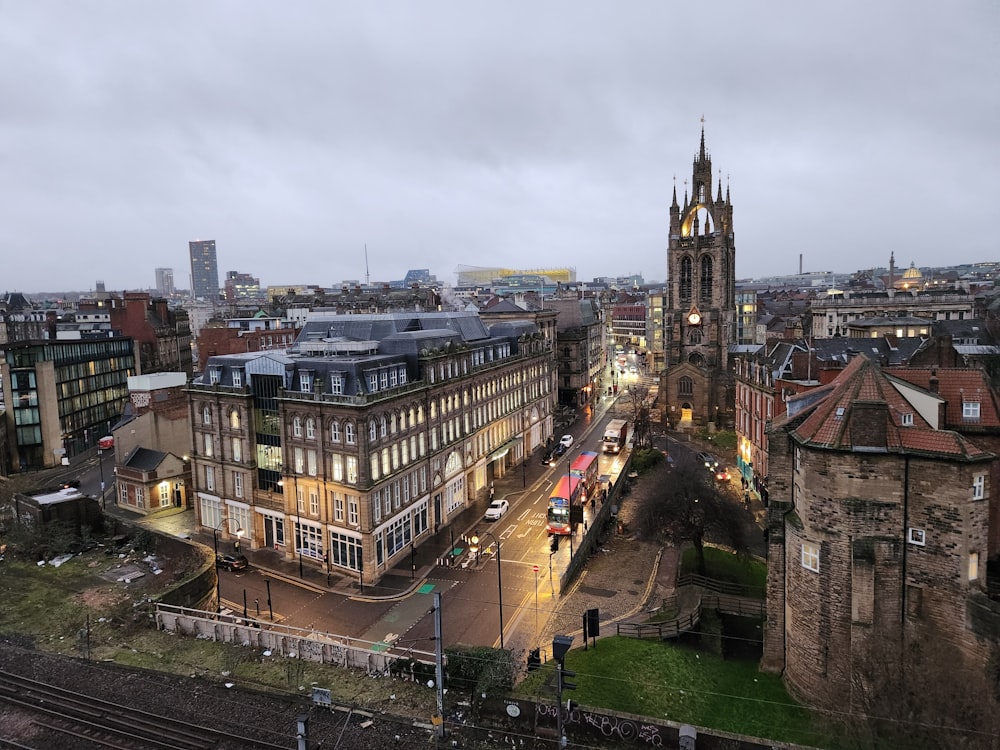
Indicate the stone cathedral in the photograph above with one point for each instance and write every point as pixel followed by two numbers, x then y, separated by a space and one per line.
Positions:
pixel 696 385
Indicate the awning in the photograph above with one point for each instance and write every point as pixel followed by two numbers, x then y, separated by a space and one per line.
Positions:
pixel 504 449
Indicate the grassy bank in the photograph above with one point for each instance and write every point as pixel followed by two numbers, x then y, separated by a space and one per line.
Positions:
pixel 681 684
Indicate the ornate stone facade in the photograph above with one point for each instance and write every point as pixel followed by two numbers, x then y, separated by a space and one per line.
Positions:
pixel 699 322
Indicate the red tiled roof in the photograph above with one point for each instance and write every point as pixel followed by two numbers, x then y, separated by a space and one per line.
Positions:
pixel 864 411
pixel 956 385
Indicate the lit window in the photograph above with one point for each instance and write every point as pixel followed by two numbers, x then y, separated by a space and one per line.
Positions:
pixel 916 536
pixel 810 557
pixel 209 446
pixel 973 566
pixel 234 419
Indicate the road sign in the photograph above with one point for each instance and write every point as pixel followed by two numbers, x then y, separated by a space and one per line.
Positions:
pixel 534 568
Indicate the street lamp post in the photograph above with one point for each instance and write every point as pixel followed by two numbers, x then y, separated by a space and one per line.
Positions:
pixel 475 541
pixel 215 544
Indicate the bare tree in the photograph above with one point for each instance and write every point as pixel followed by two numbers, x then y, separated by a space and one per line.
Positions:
pixel 693 507
pixel 639 405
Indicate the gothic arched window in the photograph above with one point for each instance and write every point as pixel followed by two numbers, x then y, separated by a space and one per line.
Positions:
pixel 705 283
pixel 685 386
pixel 685 279
pixel 694 336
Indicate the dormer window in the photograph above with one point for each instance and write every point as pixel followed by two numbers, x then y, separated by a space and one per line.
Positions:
pixel 214 375
pixel 237 378
pixel 373 382
pixel 305 382
pixel 970 411
pixel 906 420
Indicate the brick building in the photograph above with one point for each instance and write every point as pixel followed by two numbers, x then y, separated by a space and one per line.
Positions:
pixel 877 532
pixel 152 445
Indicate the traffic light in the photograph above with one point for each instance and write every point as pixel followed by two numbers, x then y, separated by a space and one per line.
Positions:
pixel 554 543
pixel 563 676
pixel 534 659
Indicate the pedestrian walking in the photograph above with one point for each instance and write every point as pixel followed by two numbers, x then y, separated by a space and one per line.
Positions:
pixel 746 499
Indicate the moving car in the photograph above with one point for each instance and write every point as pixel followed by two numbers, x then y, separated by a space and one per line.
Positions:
pixel 549 458
pixel 231 562
pixel 709 460
pixel 566 441
pixel 496 510
pixel 722 474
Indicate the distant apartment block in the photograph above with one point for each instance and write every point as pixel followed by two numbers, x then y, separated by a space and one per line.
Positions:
pixel 204 270
pixel 165 282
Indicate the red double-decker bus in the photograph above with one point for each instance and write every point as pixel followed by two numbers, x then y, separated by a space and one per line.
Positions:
pixel 586 470
pixel 567 492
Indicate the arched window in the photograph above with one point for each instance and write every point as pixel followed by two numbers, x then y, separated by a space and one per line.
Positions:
pixel 296 427
pixel 685 279
pixel 310 428
pixel 685 386
pixel 372 430
pixel 234 419
pixel 705 283
pixel 335 432
pixel 206 416
pixel 349 433
pixel 694 336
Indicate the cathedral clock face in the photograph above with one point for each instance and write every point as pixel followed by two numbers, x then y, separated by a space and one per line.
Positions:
pixel 694 318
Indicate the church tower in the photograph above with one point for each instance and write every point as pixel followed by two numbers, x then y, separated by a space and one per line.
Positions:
pixel 696 384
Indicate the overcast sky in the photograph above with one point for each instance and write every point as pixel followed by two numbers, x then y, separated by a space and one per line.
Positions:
pixel 523 134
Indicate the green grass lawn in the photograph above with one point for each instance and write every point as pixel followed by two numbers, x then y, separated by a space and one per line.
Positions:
pixel 723 565
pixel 677 683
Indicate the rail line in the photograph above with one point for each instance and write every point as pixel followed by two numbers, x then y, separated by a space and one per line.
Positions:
pixel 111 725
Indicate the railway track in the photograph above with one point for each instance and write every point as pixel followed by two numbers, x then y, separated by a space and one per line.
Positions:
pixel 86 722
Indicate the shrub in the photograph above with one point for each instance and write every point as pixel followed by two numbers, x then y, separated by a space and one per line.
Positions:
pixel 644 459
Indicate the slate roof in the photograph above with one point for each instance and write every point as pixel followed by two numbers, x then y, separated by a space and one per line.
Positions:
pixel 145 459
pixel 862 412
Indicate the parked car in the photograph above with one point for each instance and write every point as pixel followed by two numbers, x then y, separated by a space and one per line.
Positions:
pixel 496 510
pixel 231 562
pixel 558 451
pixel 566 441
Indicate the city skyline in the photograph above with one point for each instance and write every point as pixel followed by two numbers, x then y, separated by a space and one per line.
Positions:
pixel 385 139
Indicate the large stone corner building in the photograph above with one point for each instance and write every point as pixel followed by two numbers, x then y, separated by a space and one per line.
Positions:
pixel 699 320
pixel 368 435
pixel 877 533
